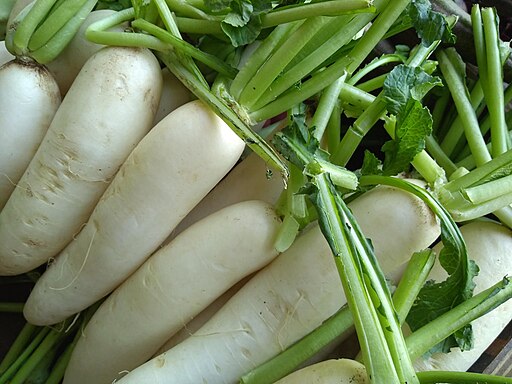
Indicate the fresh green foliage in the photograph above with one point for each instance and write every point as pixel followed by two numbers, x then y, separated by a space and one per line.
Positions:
pixel 429 25
pixel 404 88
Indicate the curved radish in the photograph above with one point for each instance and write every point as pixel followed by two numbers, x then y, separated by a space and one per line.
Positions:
pixel 489 244
pixel 169 172
pixel 109 108
pixel 30 97
pixel 172 286
pixel 340 371
pixel 283 302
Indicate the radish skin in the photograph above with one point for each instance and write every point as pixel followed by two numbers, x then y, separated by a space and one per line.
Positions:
pixel 171 170
pixel 247 181
pixel 109 108
pixel 172 286
pixel 489 244
pixel 30 97
pixel 198 321
pixel 283 302
pixel 334 371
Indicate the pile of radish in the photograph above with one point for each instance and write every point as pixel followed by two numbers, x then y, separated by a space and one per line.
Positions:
pixel 193 193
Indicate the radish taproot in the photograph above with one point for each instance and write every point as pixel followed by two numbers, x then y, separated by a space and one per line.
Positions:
pixel 333 371
pixel 30 97
pixel 109 108
pixel 286 300
pixel 178 162
pixel 489 244
pixel 172 286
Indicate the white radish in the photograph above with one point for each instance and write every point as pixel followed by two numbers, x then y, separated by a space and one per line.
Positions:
pixel 173 285
pixel 489 244
pixel 247 181
pixel 199 320
pixel 286 300
pixel 30 97
pixel 334 371
pixel 109 108
pixel 174 95
pixel 178 162
pixel 68 63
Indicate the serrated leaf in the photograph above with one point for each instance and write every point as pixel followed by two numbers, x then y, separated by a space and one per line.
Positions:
pixel 412 127
pixel 430 25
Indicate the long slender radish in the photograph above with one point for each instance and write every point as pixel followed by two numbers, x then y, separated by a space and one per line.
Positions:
pixel 109 108
pixel 30 97
pixel 67 65
pixel 173 285
pixel 490 246
pixel 334 371
pixel 284 301
pixel 170 171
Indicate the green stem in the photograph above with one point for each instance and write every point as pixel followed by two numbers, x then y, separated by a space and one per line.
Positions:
pixel 11 307
pixel 56 44
pixel 97 33
pixel 199 26
pixel 307 10
pixel 210 60
pixel 260 56
pixel 17 347
pixel 440 156
pixel 447 63
pixel 28 25
pixel 494 95
pixel 332 40
pixel 273 67
pixel 456 130
pixel 411 282
pixel 22 357
pixel 433 377
pixel 325 107
pixel 53 23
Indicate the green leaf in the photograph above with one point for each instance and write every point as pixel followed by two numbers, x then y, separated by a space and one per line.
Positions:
pixel 412 127
pixel 430 25
pixel 405 82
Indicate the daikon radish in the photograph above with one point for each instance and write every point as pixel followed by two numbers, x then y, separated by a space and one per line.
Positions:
pixel 173 285
pixel 30 97
pixel 109 108
pixel 287 299
pixel 178 162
